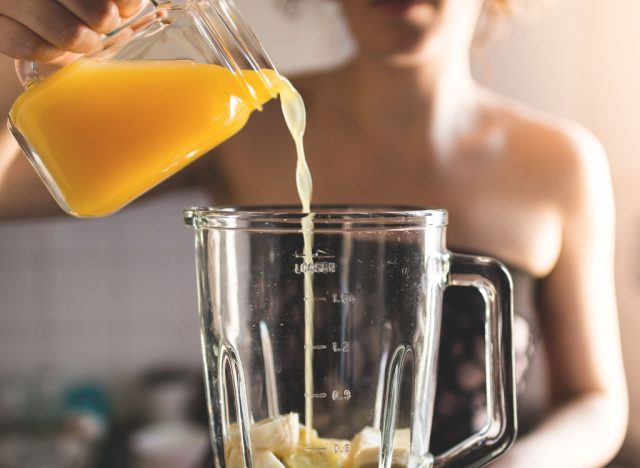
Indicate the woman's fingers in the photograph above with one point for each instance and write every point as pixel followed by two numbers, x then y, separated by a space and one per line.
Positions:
pixel 102 16
pixel 43 30
pixel 18 41
pixel 53 23
pixel 129 8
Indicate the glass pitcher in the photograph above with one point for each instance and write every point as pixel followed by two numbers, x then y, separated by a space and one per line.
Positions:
pixel 163 90
pixel 354 386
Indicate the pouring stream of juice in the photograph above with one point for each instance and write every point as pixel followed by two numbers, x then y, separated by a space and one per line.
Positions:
pixel 295 116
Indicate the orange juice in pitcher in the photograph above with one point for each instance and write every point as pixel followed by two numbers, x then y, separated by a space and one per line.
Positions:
pixel 107 131
pixel 164 90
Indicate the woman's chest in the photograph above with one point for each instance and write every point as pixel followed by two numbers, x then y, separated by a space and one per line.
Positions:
pixel 492 209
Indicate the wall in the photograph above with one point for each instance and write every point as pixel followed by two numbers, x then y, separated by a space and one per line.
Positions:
pixel 110 297
pixel 99 299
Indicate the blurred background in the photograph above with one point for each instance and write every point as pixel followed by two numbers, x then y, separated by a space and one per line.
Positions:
pixel 98 318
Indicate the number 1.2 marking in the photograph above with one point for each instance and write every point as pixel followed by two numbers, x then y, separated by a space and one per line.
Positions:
pixel 340 348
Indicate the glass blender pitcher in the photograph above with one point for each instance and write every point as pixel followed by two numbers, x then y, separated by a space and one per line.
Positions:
pixel 342 374
pixel 164 89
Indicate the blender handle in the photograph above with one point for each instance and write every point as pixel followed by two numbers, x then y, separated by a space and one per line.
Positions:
pixel 493 281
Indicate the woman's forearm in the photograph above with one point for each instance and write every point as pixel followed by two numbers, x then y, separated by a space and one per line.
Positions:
pixel 21 191
pixel 585 432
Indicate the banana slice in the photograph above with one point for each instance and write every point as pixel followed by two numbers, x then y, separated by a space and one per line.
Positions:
pixel 261 458
pixel 279 435
pixel 303 434
pixel 365 449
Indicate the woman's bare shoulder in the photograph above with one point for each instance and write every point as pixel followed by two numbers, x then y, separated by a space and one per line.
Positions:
pixel 562 153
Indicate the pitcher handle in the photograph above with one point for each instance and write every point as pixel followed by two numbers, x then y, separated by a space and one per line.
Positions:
pixel 493 281
pixel 27 72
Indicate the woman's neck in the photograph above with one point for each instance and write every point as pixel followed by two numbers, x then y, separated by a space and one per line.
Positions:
pixel 430 98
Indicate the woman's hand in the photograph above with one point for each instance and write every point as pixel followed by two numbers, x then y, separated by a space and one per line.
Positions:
pixel 44 30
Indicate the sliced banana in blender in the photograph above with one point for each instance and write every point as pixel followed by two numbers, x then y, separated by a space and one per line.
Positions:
pixel 365 449
pixel 261 459
pixel 279 435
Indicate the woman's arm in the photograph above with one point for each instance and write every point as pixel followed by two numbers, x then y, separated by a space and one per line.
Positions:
pixel 580 326
pixel 21 191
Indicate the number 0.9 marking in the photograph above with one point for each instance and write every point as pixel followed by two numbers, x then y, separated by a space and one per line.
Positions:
pixel 339 396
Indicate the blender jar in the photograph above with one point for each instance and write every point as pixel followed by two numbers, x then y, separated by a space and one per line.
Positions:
pixel 343 373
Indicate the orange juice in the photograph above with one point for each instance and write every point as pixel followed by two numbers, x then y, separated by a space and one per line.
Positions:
pixel 107 131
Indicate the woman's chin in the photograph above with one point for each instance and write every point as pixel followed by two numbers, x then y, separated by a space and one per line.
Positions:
pixel 392 28
pixel 402 7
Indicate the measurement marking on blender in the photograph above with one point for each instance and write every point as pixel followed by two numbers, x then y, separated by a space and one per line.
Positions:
pixel 315 449
pixel 340 396
pixel 316 395
pixel 316 299
pixel 343 298
pixel 317 254
pixel 317 347
pixel 340 348
pixel 315 267
pixel 344 448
